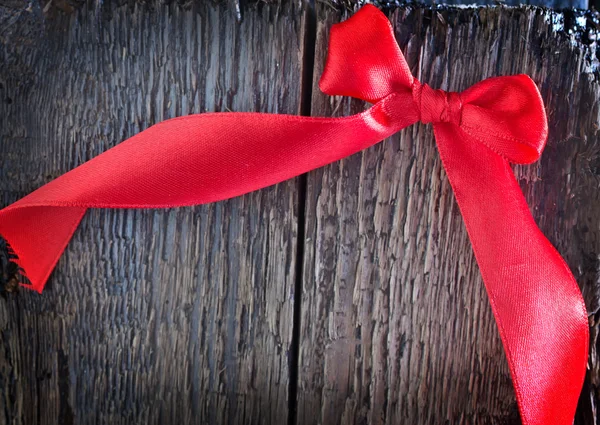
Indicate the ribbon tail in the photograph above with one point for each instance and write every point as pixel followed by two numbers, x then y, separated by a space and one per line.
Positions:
pixel 185 161
pixel 38 236
pixel 537 304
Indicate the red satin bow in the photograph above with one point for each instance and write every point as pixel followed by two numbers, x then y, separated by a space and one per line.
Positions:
pixel 209 157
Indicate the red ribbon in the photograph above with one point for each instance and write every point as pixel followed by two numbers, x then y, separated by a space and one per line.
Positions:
pixel 209 157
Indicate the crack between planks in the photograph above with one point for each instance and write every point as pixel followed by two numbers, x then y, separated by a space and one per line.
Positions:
pixel 308 62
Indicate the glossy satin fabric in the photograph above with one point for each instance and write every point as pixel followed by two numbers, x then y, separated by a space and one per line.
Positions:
pixel 209 157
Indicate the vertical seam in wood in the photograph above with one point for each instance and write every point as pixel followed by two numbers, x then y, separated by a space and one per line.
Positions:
pixel 308 62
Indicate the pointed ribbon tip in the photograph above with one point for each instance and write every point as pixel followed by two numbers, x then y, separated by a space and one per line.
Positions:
pixel 205 158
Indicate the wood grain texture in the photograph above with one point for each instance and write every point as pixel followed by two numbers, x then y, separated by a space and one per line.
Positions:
pixel 151 317
pixel 186 315
pixel 395 326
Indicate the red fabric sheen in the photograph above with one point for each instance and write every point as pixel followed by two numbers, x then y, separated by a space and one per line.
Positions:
pixel 210 157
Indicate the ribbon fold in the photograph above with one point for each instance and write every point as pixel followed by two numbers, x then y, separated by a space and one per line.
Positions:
pixel 204 158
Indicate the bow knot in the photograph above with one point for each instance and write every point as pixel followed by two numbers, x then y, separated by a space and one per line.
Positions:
pixel 437 105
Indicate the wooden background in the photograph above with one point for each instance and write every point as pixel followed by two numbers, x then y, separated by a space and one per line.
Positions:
pixel 349 295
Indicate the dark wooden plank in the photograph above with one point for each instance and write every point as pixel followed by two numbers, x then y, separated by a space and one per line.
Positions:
pixel 396 327
pixel 151 317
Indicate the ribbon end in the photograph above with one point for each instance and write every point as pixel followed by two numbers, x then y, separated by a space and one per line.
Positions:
pixel 35 237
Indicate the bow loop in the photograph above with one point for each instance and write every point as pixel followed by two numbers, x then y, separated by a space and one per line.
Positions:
pixel 364 60
pixel 507 114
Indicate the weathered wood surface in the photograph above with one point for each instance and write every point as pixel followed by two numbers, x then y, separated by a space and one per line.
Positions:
pixel 396 326
pixel 187 315
pixel 151 317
